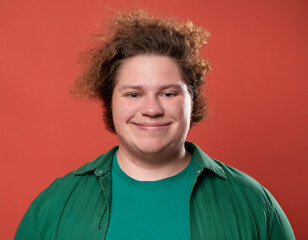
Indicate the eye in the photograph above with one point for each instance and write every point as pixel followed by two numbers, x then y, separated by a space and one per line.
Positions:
pixel 133 95
pixel 169 94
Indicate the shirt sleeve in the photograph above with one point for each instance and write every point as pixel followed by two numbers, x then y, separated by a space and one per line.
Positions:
pixel 26 227
pixel 279 227
pixel 29 226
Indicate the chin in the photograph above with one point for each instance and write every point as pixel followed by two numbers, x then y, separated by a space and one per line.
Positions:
pixel 151 147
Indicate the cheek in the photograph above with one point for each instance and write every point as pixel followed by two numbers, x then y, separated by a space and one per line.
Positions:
pixel 181 109
pixel 122 111
pixel 116 111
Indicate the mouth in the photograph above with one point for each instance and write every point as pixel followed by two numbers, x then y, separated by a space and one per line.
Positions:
pixel 152 126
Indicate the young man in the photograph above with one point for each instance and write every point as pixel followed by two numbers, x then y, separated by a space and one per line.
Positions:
pixel 154 185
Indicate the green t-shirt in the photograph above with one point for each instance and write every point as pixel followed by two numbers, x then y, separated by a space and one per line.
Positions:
pixel 151 210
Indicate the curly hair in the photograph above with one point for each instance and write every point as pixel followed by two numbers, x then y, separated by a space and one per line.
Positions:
pixel 136 32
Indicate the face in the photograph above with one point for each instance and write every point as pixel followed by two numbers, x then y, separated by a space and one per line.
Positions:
pixel 151 105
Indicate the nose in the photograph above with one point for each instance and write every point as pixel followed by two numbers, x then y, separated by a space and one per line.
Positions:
pixel 152 107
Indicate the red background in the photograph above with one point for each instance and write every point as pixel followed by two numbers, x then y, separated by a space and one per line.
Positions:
pixel 257 91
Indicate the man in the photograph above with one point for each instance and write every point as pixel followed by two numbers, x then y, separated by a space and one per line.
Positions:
pixel 154 185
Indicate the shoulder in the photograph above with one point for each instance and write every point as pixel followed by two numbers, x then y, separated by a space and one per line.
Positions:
pixel 221 173
pixel 228 183
pixel 238 178
pixel 220 188
pixel 67 201
pixel 221 185
pixel 75 185
pixel 243 186
pixel 254 197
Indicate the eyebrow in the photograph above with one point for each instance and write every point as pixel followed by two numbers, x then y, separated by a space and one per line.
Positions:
pixel 137 87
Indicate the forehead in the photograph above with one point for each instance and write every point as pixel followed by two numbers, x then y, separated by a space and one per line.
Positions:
pixel 149 70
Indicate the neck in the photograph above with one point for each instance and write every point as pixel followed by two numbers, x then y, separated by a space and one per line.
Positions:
pixel 152 166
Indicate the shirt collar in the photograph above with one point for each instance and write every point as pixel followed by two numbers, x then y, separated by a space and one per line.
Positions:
pixel 203 161
pixel 102 164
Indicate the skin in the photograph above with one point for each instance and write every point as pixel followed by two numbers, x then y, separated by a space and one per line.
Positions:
pixel 151 112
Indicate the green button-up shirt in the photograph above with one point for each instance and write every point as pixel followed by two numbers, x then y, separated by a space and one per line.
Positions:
pixel 224 204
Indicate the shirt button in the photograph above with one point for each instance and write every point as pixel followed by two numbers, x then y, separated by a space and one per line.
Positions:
pixel 198 171
pixel 100 171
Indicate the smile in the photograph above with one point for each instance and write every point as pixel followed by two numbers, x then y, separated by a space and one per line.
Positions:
pixel 152 126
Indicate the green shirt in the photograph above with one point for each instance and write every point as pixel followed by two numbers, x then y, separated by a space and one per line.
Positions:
pixel 151 210
pixel 224 204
